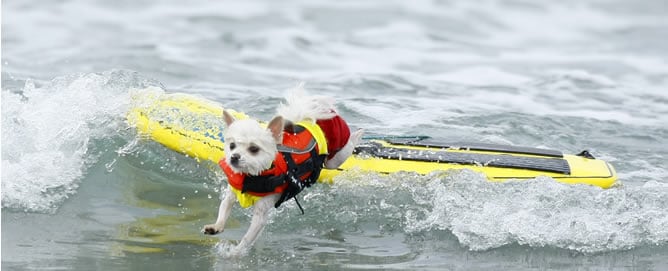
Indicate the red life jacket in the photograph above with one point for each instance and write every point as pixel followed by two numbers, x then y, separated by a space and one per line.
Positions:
pixel 298 162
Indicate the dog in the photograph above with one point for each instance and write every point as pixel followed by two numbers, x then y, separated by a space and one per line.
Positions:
pixel 268 165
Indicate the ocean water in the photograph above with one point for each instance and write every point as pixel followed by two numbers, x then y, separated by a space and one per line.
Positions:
pixel 81 191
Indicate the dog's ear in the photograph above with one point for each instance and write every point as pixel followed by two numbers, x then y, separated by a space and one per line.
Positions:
pixel 228 118
pixel 276 128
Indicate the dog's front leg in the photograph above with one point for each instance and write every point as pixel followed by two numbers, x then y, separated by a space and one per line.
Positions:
pixel 223 213
pixel 259 220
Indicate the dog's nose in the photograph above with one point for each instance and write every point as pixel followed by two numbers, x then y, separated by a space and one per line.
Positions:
pixel 235 158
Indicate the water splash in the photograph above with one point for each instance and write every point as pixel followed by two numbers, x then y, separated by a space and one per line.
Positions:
pixel 229 249
pixel 483 215
pixel 541 213
pixel 48 131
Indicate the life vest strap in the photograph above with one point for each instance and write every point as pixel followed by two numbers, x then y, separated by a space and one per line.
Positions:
pixel 262 184
pixel 293 176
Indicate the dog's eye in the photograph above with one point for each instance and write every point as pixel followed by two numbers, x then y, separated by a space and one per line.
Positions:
pixel 253 149
pixel 232 146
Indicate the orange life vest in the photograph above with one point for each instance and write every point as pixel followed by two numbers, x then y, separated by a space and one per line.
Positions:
pixel 297 165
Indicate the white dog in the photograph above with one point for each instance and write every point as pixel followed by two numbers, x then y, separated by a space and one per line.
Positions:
pixel 267 166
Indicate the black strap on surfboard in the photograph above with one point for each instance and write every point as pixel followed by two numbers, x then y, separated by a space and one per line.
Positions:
pixel 424 141
pixel 491 159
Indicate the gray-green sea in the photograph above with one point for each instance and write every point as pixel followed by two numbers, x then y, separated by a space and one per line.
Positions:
pixel 82 191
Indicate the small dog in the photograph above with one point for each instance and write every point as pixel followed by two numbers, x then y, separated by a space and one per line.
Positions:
pixel 267 166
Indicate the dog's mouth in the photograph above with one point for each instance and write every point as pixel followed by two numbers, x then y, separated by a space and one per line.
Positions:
pixel 234 162
pixel 236 165
pixel 239 166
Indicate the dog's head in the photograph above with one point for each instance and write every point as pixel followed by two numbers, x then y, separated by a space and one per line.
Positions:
pixel 249 147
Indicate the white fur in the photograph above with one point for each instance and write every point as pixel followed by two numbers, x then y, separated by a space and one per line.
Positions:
pixel 245 134
pixel 241 136
pixel 346 151
pixel 258 221
pixel 300 106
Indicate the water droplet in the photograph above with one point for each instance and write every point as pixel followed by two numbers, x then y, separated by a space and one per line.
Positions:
pixel 110 166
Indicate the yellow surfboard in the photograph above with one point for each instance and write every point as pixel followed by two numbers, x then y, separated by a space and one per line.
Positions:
pixel 194 126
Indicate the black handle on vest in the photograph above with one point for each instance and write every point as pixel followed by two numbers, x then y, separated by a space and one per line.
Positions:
pixel 262 184
pixel 294 187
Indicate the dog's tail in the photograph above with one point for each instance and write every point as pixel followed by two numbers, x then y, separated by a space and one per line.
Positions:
pixel 300 106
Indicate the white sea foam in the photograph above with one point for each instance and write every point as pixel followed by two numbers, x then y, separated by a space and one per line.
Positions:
pixel 541 213
pixel 47 132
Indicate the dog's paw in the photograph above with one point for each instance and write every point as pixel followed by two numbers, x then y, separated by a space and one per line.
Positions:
pixel 238 251
pixel 346 151
pixel 356 137
pixel 212 229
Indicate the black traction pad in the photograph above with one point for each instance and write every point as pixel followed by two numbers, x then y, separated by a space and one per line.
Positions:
pixel 474 146
pixel 557 165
